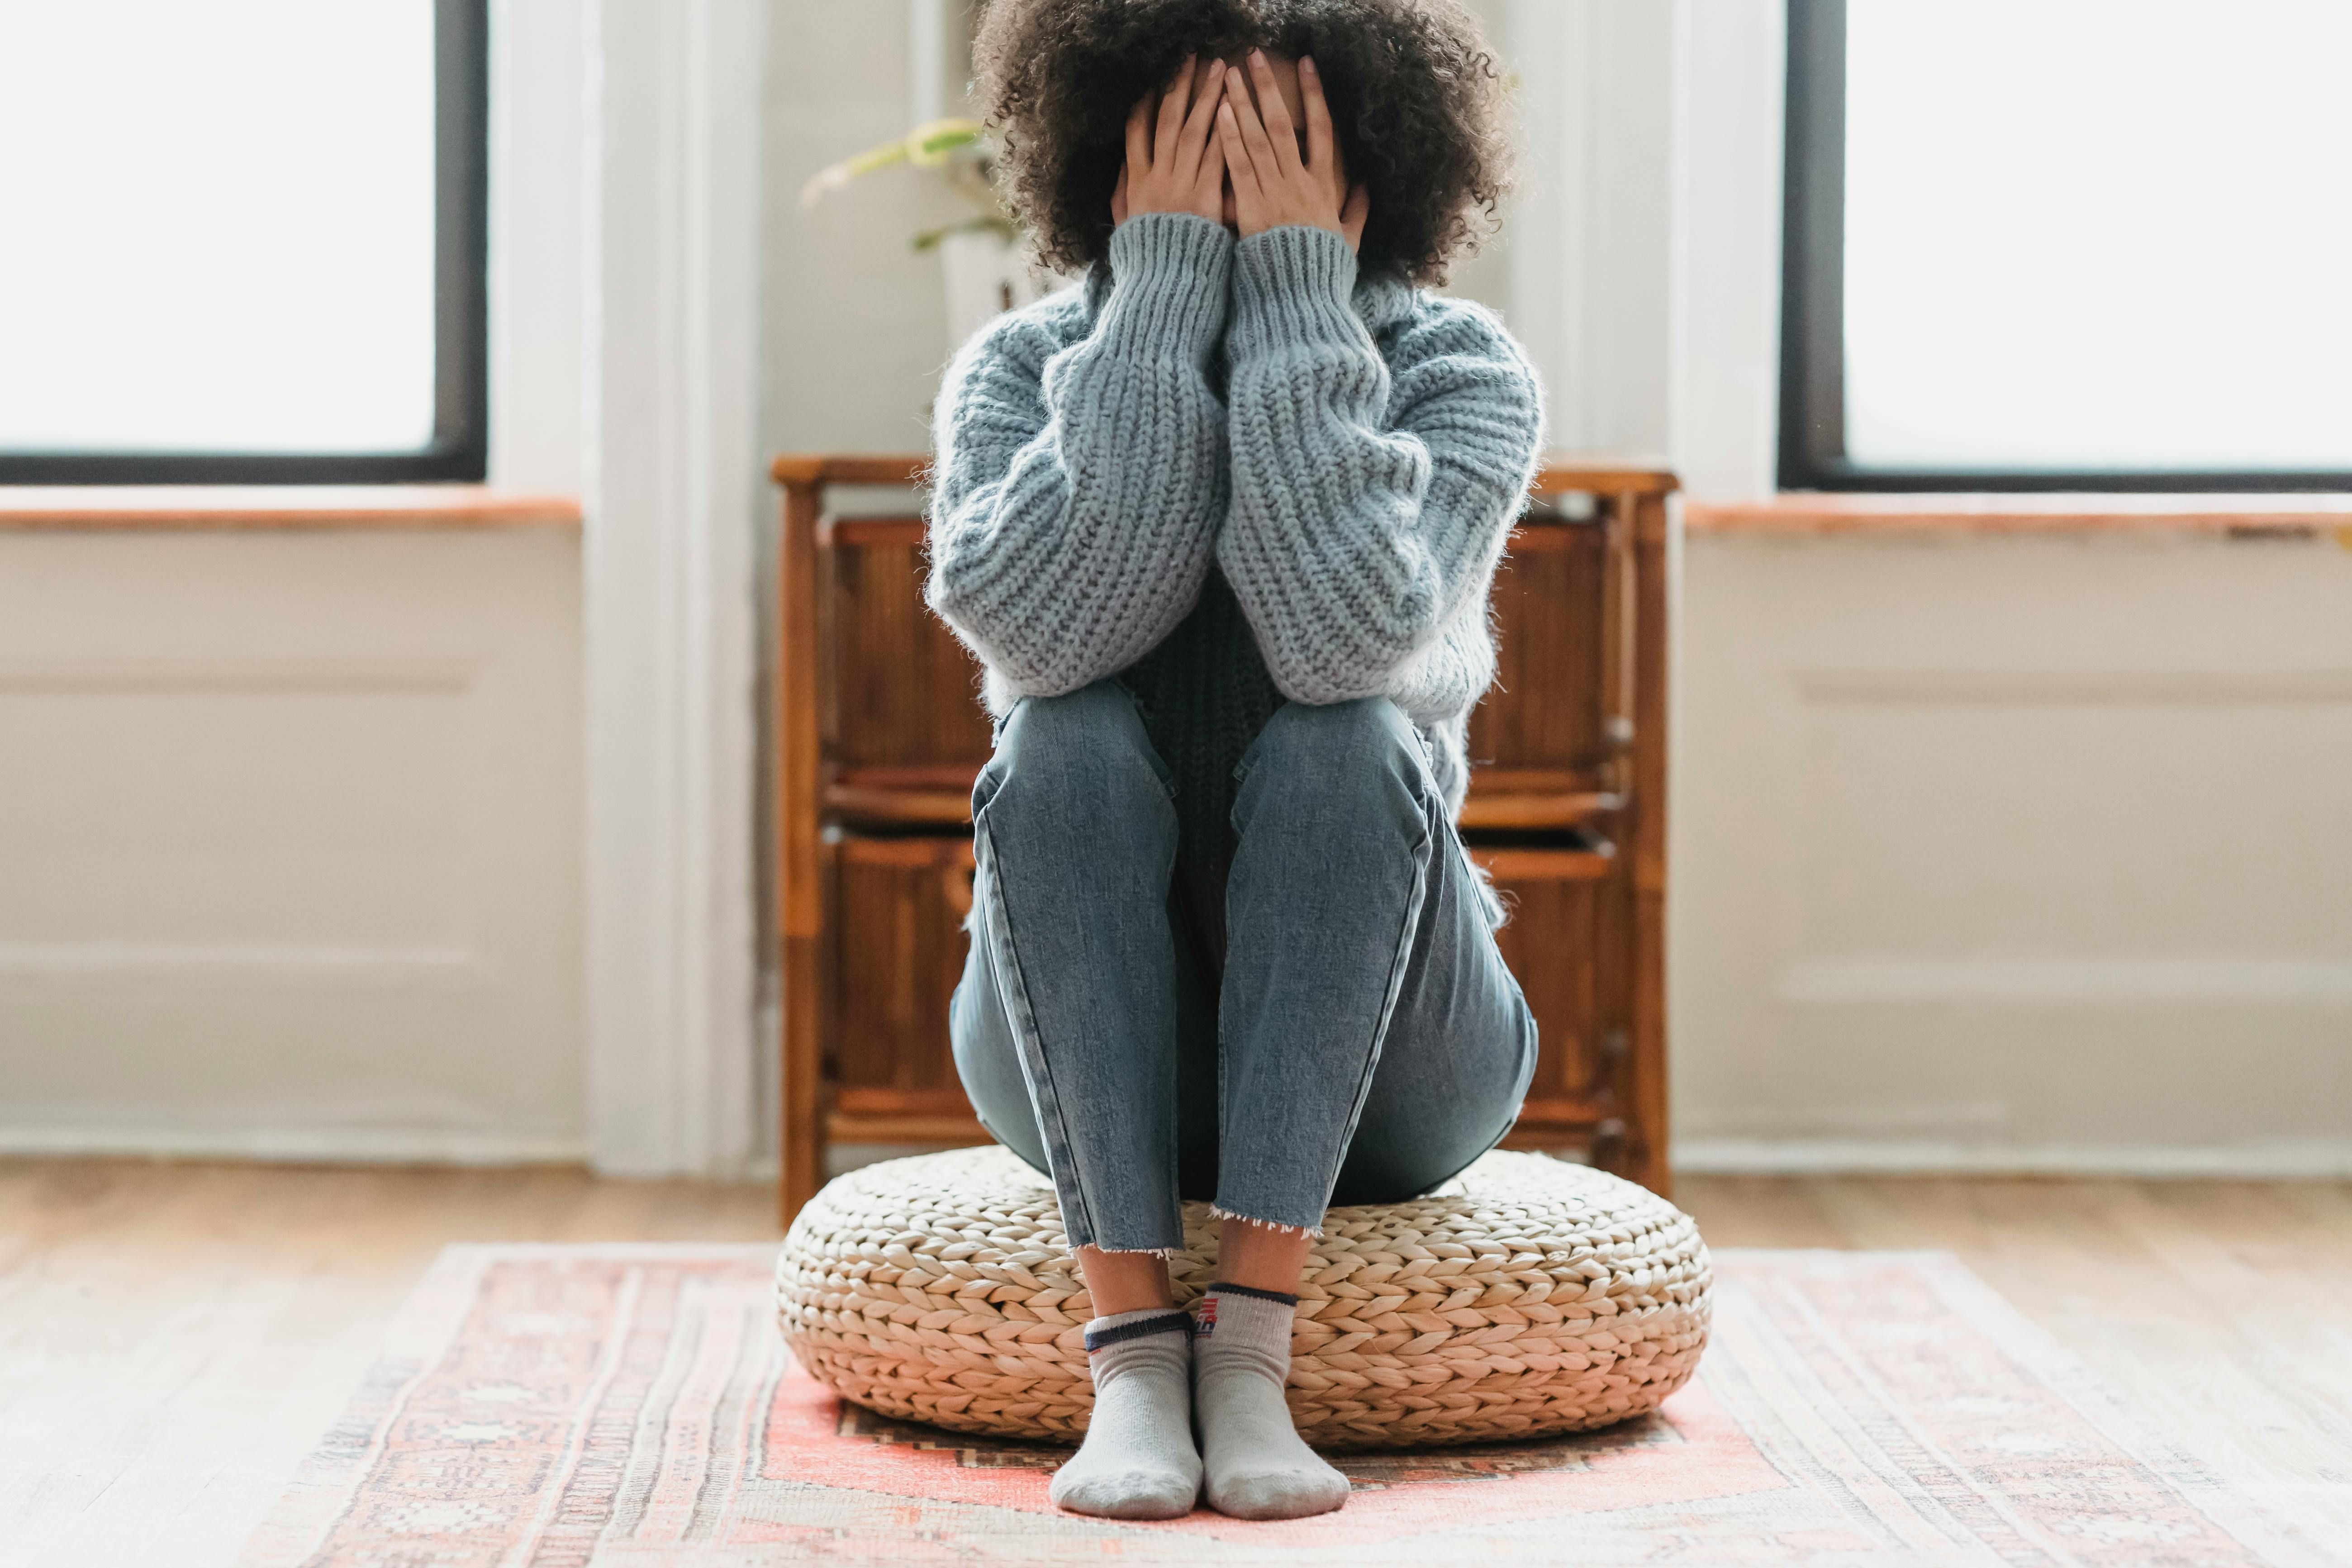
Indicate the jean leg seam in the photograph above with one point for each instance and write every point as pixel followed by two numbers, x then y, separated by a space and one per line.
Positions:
pixel 1415 902
pixel 1530 1036
pixel 1023 1019
pixel 1415 907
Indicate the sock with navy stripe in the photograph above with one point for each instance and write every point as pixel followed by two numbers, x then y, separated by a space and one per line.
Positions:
pixel 1256 1464
pixel 1137 1460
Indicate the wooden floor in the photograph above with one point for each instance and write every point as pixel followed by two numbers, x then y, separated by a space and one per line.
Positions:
pixel 173 1338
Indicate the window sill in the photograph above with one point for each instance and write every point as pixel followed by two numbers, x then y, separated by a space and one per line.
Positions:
pixel 1811 514
pixel 179 507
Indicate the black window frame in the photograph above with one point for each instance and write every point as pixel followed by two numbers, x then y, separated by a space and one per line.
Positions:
pixel 459 447
pixel 1812 311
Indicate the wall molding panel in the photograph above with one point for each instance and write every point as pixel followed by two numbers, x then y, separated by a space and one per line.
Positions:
pixel 289 844
pixel 2014 855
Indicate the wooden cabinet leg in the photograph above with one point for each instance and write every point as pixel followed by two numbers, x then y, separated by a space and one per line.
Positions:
pixel 801 1141
pixel 801 896
pixel 1648 1111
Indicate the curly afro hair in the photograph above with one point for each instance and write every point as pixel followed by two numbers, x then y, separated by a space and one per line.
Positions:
pixel 1417 102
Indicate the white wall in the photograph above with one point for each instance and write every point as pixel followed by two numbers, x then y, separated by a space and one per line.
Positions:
pixel 289 844
pixel 2015 853
pixel 855 331
pixel 1588 237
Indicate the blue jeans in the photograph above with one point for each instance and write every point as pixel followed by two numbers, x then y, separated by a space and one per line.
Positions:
pixel 1358 1040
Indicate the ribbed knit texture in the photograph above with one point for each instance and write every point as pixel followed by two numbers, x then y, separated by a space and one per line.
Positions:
pixel 1349 455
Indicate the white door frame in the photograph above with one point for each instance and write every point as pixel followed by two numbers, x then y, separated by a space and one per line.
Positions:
pixel 673 493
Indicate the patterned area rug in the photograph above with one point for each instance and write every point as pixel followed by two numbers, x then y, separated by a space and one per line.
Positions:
pixel 595 1407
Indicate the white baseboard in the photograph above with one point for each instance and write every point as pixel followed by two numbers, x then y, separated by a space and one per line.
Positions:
pixel 2307 1158
pixel 300 1145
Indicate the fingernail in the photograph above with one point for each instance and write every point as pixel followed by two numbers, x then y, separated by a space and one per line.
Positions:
pixel 1306 64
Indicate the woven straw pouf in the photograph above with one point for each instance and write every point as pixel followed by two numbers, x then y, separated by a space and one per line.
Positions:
pixel 1527 1297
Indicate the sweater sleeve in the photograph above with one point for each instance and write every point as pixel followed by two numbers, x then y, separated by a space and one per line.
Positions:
pixel 1078 487
pixel 1366 507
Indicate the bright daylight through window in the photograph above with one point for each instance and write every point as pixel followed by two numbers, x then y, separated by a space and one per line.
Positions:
pixel 2097 236
pixel 229 239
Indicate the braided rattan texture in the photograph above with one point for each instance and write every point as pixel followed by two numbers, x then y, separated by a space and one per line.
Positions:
pixel 1530 1296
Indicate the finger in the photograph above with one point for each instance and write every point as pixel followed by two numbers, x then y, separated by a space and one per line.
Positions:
pixel 1196 138
pixel 1119 200
pixel 1318 116
pixel 1209 180
pixel 1138 143
pixel 1256 149
pixel 1281 135
pixel 1352 216
pixel 1173 101
pixel 1198 124
pixel 1238 167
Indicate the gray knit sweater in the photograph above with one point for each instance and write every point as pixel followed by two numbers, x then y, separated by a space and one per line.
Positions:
pixel 1347 454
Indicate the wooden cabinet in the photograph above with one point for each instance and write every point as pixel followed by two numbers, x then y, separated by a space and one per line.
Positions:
pixel 895 950
pixel 1566 944
pixel 901 732
pixel 880 732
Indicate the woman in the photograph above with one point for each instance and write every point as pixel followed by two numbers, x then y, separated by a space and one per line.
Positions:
pixel 1221 525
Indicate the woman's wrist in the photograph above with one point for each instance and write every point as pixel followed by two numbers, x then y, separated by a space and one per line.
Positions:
pixel 1294 283
pixel 1170 273
pixel 1160 229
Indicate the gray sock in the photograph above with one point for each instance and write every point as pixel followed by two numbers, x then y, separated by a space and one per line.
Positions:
pixel 1257 1465
pixel 1138 1461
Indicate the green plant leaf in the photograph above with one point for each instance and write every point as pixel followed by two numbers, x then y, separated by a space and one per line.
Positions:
pixel 929 239
pixel 926 146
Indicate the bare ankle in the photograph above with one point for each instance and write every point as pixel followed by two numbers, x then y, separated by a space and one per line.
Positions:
pixel 1125 1281
pixel 1262 1257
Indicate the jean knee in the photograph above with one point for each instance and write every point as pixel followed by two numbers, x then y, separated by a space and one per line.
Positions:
pixel 1332 750
pixel 1085 751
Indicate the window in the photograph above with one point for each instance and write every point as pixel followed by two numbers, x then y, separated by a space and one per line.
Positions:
pixel 2068 244
pixel 245 241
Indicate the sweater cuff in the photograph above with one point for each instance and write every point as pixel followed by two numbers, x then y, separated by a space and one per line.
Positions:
pixel 1295 284
pixel 1170 273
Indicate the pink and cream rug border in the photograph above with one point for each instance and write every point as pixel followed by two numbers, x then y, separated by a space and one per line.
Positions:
pixel 599 1405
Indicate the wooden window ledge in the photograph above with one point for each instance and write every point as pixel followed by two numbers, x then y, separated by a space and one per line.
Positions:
pixel 1807 513
pixel 98 508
